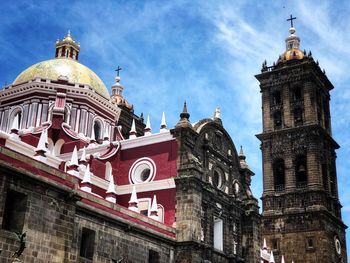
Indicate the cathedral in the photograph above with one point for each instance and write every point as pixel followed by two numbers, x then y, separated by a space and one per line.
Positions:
pixel 84 179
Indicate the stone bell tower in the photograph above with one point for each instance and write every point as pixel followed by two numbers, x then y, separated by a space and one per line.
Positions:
pixel 301 209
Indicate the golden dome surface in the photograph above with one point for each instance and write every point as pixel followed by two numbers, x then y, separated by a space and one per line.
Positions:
pixel 53 68
pixel 291 54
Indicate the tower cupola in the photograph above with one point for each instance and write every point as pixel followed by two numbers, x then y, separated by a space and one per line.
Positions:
pixel 67 47
pixel 117 93
pixel 292 45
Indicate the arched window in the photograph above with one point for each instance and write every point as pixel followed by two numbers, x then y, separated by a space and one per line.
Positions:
pixel 297 94
pixel 277 119
pixel 16 115
pixel 279 174
pixel 276 98
pixel 301 171
pixel 98 130
pixel 298 116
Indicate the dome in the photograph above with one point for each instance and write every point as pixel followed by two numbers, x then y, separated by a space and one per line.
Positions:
pixel 291 54
pixel 53 68
pixel 293 51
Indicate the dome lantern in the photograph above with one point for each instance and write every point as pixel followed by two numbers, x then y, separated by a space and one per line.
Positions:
pixel 293 51
pixel 67 47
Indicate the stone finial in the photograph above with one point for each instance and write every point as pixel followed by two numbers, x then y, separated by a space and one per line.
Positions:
pixel 241 154
pixel 74 159
pixel 111 193
pixel 154 209
pixel 132 133
pixel 272 259
pixel 41 149
pixel 184 118
pixel 148 129
pixel 133 201
pixel 163 123
pixel 217 113
pixel 87 175
pixel 264 245
pixel 282 260
pixel 111 186
pixel 86 182
pixel 184 114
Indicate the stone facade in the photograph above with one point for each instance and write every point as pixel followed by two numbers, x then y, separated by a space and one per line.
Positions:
pixel 213 188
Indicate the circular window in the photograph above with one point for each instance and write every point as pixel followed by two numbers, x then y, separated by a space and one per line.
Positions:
pixel 145 174
pixel 142 171
pixel 217 179
pixel 337 245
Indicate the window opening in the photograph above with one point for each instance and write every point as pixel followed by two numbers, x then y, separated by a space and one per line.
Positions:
pixel 279 174
pixel 298 116
pixel 87 243
pixel 276 98
pixel 14 213
pixel 153 256
pixel 145 174
pixel 218 234
pixel 297 94
pixel 301 171
pixel 277 116
pixel 97 130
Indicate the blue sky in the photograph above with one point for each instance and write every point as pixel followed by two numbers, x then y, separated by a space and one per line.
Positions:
pixel 206 52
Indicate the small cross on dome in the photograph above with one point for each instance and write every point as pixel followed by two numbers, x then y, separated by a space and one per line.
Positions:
pixel 291 20
pixel 118 70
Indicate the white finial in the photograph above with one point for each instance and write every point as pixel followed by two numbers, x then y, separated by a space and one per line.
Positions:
pixel 272 259
pixel 163 123
pixel 111 186
pixel 74 158
pixel 14 127
pixel 87 175
pixel 85 183
pixel 217 113
pixel 282 260
pixel 132 134
pixel 43 142
pixel 133 201
pixel 154 209
pixel 83 155
pixel 148 128
pixel 68 33
pixel 264 245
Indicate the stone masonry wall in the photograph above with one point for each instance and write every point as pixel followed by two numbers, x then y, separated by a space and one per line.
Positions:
pixel 53 226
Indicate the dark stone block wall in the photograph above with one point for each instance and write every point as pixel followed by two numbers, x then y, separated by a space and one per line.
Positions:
pixel 53 223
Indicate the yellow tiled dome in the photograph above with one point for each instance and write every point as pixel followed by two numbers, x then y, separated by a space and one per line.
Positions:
pixel 54 68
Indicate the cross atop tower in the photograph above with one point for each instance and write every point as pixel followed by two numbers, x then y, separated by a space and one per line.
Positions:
pixel 291 20
pixel 118 70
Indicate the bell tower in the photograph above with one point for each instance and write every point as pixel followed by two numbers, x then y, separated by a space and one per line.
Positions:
pixel 301 209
